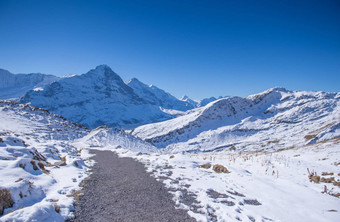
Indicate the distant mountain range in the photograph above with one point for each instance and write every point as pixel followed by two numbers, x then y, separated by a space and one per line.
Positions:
pixel 14 86
pixel 98 97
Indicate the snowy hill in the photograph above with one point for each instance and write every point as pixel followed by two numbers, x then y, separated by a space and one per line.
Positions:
pixel 274 119
pixel 14 86
pixel 111 139
pixel 99 97
pixel 39 167
pixel 158 97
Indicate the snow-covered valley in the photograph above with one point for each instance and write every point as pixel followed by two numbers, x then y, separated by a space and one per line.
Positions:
pixel 272 156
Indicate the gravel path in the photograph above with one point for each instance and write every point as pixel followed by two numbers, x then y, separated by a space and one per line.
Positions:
pixel 120 190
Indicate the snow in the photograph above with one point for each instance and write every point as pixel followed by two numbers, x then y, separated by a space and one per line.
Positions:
pixel 277 180
pixel 99 97
pixel 14 86
pixel 31 135
pixel 270 142
pixel 271 120
pixel 106 138
pixel 159 97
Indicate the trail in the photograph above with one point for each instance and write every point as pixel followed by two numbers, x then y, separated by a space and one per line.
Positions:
pixel 119 189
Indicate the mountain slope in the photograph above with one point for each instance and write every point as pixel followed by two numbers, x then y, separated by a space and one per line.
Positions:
pixel 99 97
pixel 14 86
pixel 158 97
pixel 274 119
pixel 39 166
pixel 42 161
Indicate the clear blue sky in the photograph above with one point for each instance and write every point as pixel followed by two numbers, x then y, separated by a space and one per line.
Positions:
pixel 199 48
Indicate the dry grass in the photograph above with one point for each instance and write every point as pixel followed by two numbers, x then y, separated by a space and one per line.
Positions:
pixel 232 148
pixel 76 195
pixel 336 183
pixel 272 141
pixel 220 169
pixel 18 180
pixel 205 166
pixel 309 137
pixel 336 195
pixel 313 177
pixel 327 174
pixel 57 208
pixel 41 165
pixel 6 200
pixel 326 180
pixel 34 165
pixel 172 156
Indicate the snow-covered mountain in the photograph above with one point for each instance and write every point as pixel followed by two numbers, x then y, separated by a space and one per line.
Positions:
pixel 206 101
pixel 99 97
pixel 198 103
pixel 159 97
pixel 274 119
pixel 186 99
pixel 14 86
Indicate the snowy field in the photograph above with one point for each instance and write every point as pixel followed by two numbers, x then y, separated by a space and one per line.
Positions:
pixel 259 186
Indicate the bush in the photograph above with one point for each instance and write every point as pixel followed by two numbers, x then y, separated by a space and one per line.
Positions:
pixel 6 200
pixel 205 166
pixel 220 169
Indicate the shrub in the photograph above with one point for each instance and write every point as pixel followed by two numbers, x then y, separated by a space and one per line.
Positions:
pixel 6 200
pixel 205 166
pixel 309 137
pixel 34 165
pixel 336 183
pixel 326 180
pixel 41 165
pixel 220 169
pixel 57 208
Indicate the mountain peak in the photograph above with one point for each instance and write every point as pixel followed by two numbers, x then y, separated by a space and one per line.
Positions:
pixel 103 72
pixel 135 81
pixel 103 67
pixel 278 89
pixel 185 97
